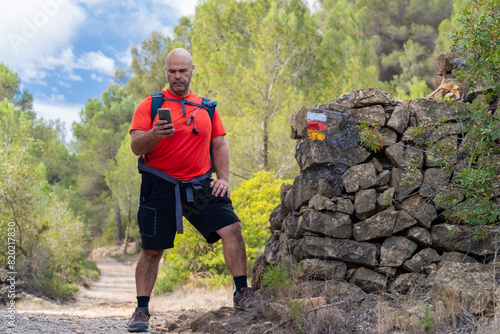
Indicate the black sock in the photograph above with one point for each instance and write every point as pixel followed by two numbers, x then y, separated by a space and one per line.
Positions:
pixel 240 282
pixel 143 301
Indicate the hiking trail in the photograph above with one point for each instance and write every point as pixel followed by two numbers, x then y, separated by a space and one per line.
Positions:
pixel 107 304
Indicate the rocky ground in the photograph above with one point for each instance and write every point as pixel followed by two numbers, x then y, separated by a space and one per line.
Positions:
pixel 322 307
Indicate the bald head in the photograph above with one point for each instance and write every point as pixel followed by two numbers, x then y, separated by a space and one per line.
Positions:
pixel 179 67
pixel 179 53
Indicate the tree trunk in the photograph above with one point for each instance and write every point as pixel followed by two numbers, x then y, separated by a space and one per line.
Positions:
pixel 126 237
pixel 264 144
pixel 118 225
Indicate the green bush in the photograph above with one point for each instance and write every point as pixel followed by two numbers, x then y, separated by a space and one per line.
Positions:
pixel 276 278
pixel 50 242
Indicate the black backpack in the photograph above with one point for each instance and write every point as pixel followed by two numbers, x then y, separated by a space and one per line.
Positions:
pixel 207 104
pixel 158 98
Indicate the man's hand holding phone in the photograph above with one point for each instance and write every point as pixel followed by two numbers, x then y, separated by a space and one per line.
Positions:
pixel 163 128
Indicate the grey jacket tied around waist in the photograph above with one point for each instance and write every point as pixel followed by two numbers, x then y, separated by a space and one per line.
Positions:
pixel 194 183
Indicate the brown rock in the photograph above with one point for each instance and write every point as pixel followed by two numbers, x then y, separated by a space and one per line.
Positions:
pixel 339 249
pixel 421 260
pixel 359 177
pixel 337 225
pixel 371 115
pixel 369 97
pixel 383 178
pixel 384 200
pixel 430 112
pixel 379 225
pixel 404 282
pixel 399 118
pixel 435 182
pixel 365 203
pixel 434 158
pixel 378 166
pixel 345 205
pixel 404 156
pixel 420 209
pixel 320 203
pixel 406 181
pixel 403 221
pixel 461 238
pixel 420 235
pixel 463 285
pixel 369 280
pixel 395 251
pixel 275 311
pixel 457 257
pixel 322 269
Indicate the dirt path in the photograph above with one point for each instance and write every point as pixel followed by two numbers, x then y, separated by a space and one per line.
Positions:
pixel 106 306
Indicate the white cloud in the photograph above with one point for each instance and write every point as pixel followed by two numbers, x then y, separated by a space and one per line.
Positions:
pixel 31 30
pixel 96 77
pixel 96 61
pixel 185 7
pixel 64 84
pixel 124 57
pixel 67 113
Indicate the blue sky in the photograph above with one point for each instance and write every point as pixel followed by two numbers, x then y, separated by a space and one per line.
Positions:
pixel 66 51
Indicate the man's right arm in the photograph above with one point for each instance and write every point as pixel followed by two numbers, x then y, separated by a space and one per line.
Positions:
pixel 143 142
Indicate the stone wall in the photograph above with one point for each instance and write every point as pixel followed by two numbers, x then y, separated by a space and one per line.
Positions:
pixel 370 218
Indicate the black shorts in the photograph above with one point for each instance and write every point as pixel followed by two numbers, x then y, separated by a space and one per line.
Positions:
pixel 156 216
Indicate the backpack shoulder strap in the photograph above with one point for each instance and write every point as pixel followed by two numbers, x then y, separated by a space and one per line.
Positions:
pixel 210 104
pixel 156 103
pixel 210 107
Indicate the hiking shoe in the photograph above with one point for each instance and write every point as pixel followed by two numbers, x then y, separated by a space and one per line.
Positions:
pixel 139 320
pixel 245 299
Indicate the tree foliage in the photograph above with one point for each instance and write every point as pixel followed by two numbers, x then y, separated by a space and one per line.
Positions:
pixel 249 54
pixel 49 241
pixel 102 127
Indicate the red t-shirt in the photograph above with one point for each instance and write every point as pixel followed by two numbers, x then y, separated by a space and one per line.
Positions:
pixel 185 154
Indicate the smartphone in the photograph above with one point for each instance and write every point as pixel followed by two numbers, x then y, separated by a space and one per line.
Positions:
pixel 164 114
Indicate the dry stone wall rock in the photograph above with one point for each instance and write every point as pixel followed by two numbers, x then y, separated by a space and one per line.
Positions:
pixel 374 218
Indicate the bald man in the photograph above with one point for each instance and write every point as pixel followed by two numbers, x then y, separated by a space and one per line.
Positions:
pixel 176 173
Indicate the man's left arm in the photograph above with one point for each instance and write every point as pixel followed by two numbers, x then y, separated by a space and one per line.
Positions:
pixel 220 151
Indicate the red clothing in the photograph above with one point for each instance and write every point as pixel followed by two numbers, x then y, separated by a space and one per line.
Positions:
pixel 185 154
